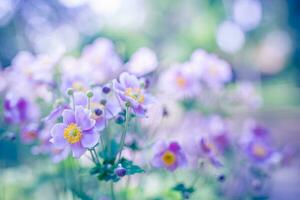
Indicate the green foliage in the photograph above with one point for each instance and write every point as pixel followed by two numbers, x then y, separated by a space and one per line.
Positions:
pixel 183 190
pixel 106 172
pixel 110 152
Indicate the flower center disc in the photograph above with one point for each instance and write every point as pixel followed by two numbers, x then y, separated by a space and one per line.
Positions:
pixel 181 81
pixel 259 150
pixel 136 94
pixel 72 133
pixel 169 158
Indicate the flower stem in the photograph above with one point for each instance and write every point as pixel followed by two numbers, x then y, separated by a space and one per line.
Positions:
pixel 112 191
pixel 96 156
pixel 122 141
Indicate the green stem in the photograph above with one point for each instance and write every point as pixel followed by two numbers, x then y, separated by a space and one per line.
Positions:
pixel 112 191
pixel 93 157
pixel 122 141
pixel 96 156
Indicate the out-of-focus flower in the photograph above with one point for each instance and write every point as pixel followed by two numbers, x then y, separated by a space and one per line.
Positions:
pixel 247 95
pixel 143 61
pixel 29 133
pixel 256 142
pixel 259 150
pixel 131 92
pixel 76 133
pixel 102 60
pixel 216 72
pixel 181 81
pixel 230 37
pixel 247 13
pixel 267 58
pixel 169 156
pixel 19 109
pixel 36 68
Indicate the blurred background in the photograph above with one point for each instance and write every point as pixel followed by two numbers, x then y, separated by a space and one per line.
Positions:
pixel 260 39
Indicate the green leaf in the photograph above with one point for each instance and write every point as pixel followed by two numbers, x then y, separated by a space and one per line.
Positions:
pixel 185 191
pixel 130 167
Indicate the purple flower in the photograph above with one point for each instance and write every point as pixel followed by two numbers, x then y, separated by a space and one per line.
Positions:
pixel 181 81
pixel 215 71
pixel 130 91
pixel 259 150
pixel 256 142
pixel 169 156
pixel 210 150
pixel 29 133
pixel 19 109
pixel 142 62
pixel 76 132
pixel 102 106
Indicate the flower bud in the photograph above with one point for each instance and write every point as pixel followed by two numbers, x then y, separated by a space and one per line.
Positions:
pixel 120 120
pixel 98 111
pixel 70 91
pixel 221 178
pixel 89 94
pixel 103 102
pixel 105 90
pixel 120 171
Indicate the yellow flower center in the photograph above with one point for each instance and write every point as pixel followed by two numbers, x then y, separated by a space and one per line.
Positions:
pixel 136 94
pixel 259 150
pixel 168 158
pixel 72 133
pixel 181 81
pixel 78 86
pixel 213 70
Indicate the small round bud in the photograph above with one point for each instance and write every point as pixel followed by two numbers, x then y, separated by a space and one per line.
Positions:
pixel 127 104
pixel 165 112
pixel 103 102
pixel 120 120
pixel 186 195
pixel 106 90
pixel 70 91
pixel 120 171
pixel 89 94
pixel 11 136
pixel 221 178
pixel 98 111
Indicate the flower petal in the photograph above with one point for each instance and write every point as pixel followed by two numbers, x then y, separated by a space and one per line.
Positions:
pixel 80 99
pixel 83 120
pixel 90 139
pixel 68 116
pixel 57 133
pixel 77 149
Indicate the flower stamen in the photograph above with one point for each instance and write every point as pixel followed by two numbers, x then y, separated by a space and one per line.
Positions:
pixel 168 158
pixel 72 133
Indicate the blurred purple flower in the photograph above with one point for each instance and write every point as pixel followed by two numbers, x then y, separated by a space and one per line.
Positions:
pixel 29 133
pixel 214 71
pixel 181 81
pixel 257 143
pixel 259 150
pixel 169 156
pixel 76 133
pixel 142 62
pixel 19 109
pixel 130 91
